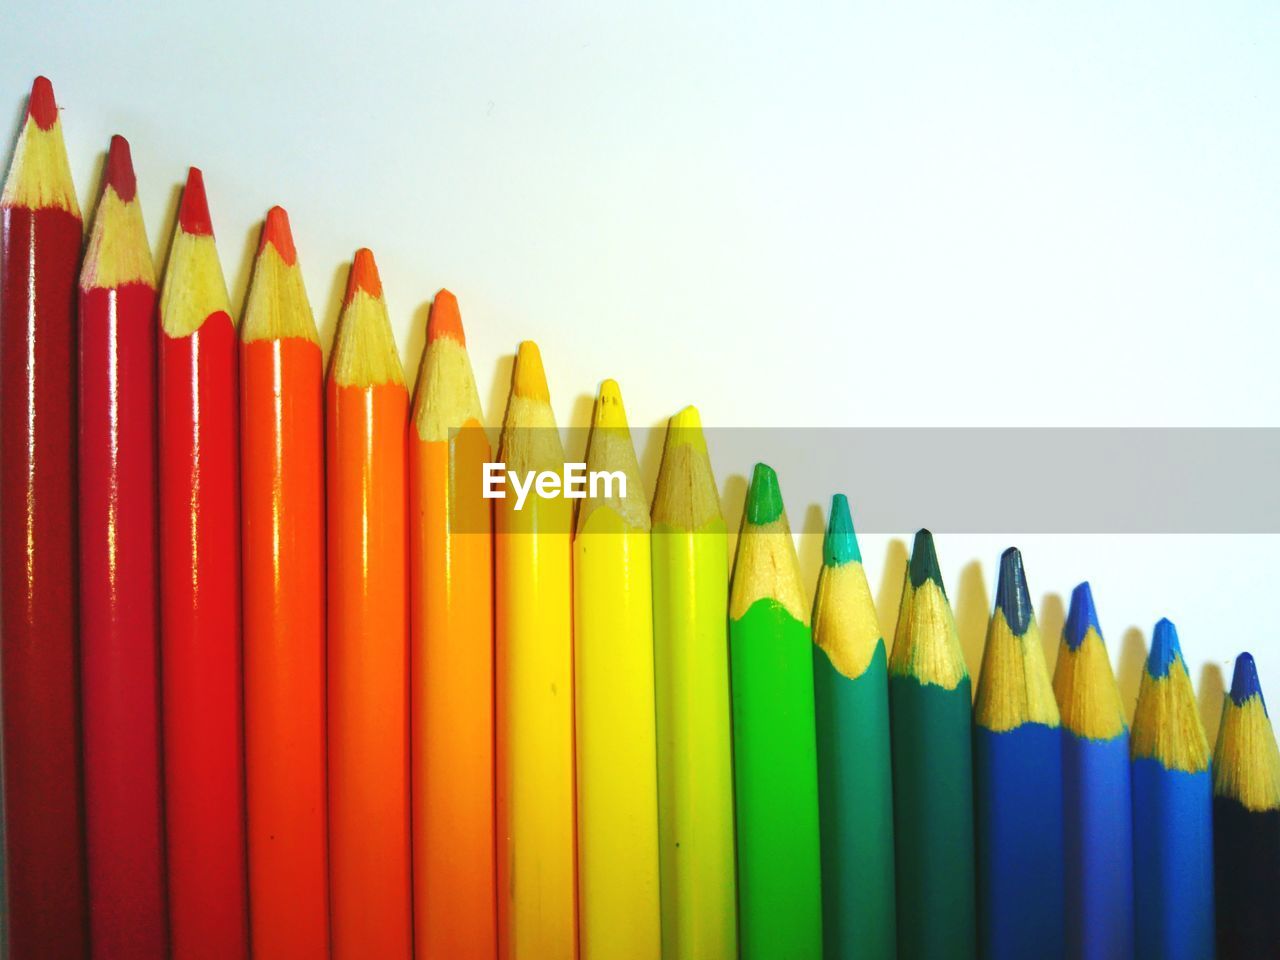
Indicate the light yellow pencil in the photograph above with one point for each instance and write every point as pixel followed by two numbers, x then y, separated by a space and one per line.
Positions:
pixel 533 605
pixel 618 905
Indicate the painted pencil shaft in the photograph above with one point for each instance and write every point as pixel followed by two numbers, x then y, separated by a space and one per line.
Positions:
pixel 851 695
pixel 40 241
pixel 282 490
pixel 455 893
pixel 695 768
pixel 533 602
pixel 619 910
pixel 1172 811
pixel 930 718
pixel 368 607
pixel 1017 784
pixel 200 596
pixel 119 588
pixel 774 746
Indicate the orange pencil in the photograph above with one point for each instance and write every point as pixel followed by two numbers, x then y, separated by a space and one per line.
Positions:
pixel 282 511
pixel 455 905
pixel 367 417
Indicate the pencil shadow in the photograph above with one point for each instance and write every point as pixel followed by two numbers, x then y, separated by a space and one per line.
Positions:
pixel 579 427
pixel 1053 616
pixel 649 452
pixel 809 548
pixel 243 276
pixel 1209 696
pixel 889 596
pixel 20 121
pixel 167 225
pixel 1133 659
pixel 972 610
pixel 90 205
pixel 417 345
pixel 733 500
pixel 499 391
pixel 329 316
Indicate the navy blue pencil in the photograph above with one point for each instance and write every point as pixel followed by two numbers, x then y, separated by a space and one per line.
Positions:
pixel 1017 752
pixel 1172 811
pixel 1096 791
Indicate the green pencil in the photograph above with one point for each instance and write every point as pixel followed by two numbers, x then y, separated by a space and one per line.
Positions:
pixel 774 752
pixel 854 786
pixel 930 715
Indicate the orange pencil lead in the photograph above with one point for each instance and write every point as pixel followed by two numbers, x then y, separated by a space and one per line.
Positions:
pixel 277 233
pixel 193 215
pixel 120 176
pixel 42 108
pixel 364 276
pixel 445 319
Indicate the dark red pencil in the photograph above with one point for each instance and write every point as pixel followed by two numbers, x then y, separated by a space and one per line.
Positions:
pixel 119 646
pixel 40 238
pixel 200 581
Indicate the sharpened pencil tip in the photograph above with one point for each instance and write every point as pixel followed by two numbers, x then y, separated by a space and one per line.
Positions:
pixel 1165 649
pixel 840 545
pixel 764 499
pixel 276 232
pixel 609 412
pixel 445 319
pixel 42 107
pixel 1013 598
pixel 924 561
pixel 120 176
pixel 529 379
pixel 1244 682
pixel 193 215
pixel 1080 617
pixel 363 276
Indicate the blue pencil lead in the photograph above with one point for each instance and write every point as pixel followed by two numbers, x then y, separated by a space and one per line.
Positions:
pixel 1164 649
pixel 1012 596
pixel 1244 683
pixel 1080 617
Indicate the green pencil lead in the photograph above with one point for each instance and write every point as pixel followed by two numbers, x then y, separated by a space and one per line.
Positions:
pixel 764 499
pixel 840 545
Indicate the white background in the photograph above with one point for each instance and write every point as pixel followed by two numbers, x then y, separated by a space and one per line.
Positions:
pixel 791 215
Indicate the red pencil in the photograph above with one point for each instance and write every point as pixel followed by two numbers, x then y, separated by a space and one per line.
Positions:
pixel 118 573
pixel 200 595
pixel 40 237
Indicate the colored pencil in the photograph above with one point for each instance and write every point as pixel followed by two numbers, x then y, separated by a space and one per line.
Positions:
pixel 855 787
pixel 774 745
pixel 282 529
pixel 619 910
pixel 1172 811
pixel 533 603
pixel 691 665
pixel 1098 833
pixel 200 595
pixel 40 237
pixel 930 718
pixel 454 877
pixel 1246 822
pixel 1017 756
pixel 367 419
pixel 119 643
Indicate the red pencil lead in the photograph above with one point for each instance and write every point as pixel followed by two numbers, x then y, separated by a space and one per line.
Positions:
pixel 277 233
pixel 193 215
pixel 120 176
pixel 445 320
pixel 42 108
pixel 364 276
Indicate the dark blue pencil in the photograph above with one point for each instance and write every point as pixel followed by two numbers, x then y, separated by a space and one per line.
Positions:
pixel 1096 791
pixel 1017 751
pixel 1172 811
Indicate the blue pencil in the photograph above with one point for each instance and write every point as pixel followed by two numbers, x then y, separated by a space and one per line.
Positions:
pixel 1098 832
pixel 1017 751
pixel 1172 811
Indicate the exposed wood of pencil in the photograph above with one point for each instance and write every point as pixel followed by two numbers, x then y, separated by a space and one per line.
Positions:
pixel 40 239
pixel 119 574
pixel 451 554
pixel 367 419
pixel 282 504
pixel 533 603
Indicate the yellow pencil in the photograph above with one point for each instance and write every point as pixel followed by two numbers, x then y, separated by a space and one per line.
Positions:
pixel 533 594
pixel 613 641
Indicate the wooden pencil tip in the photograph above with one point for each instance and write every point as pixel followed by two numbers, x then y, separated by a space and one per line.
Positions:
pixel 529 379
pixel 193 215
pixel 1165 649
pixel 445 319
pixel 764 499
pixel 120 176
pixel 1013 598
pixel 1080 617
pixel 363 276
pixel 924 561
pixel 42 107
pixel 276 232
pixel 1244 682
pixel 840 544
pixel 609 412
pixel 688 420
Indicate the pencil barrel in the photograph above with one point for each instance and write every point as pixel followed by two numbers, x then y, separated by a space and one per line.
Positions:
pixel 1246 849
